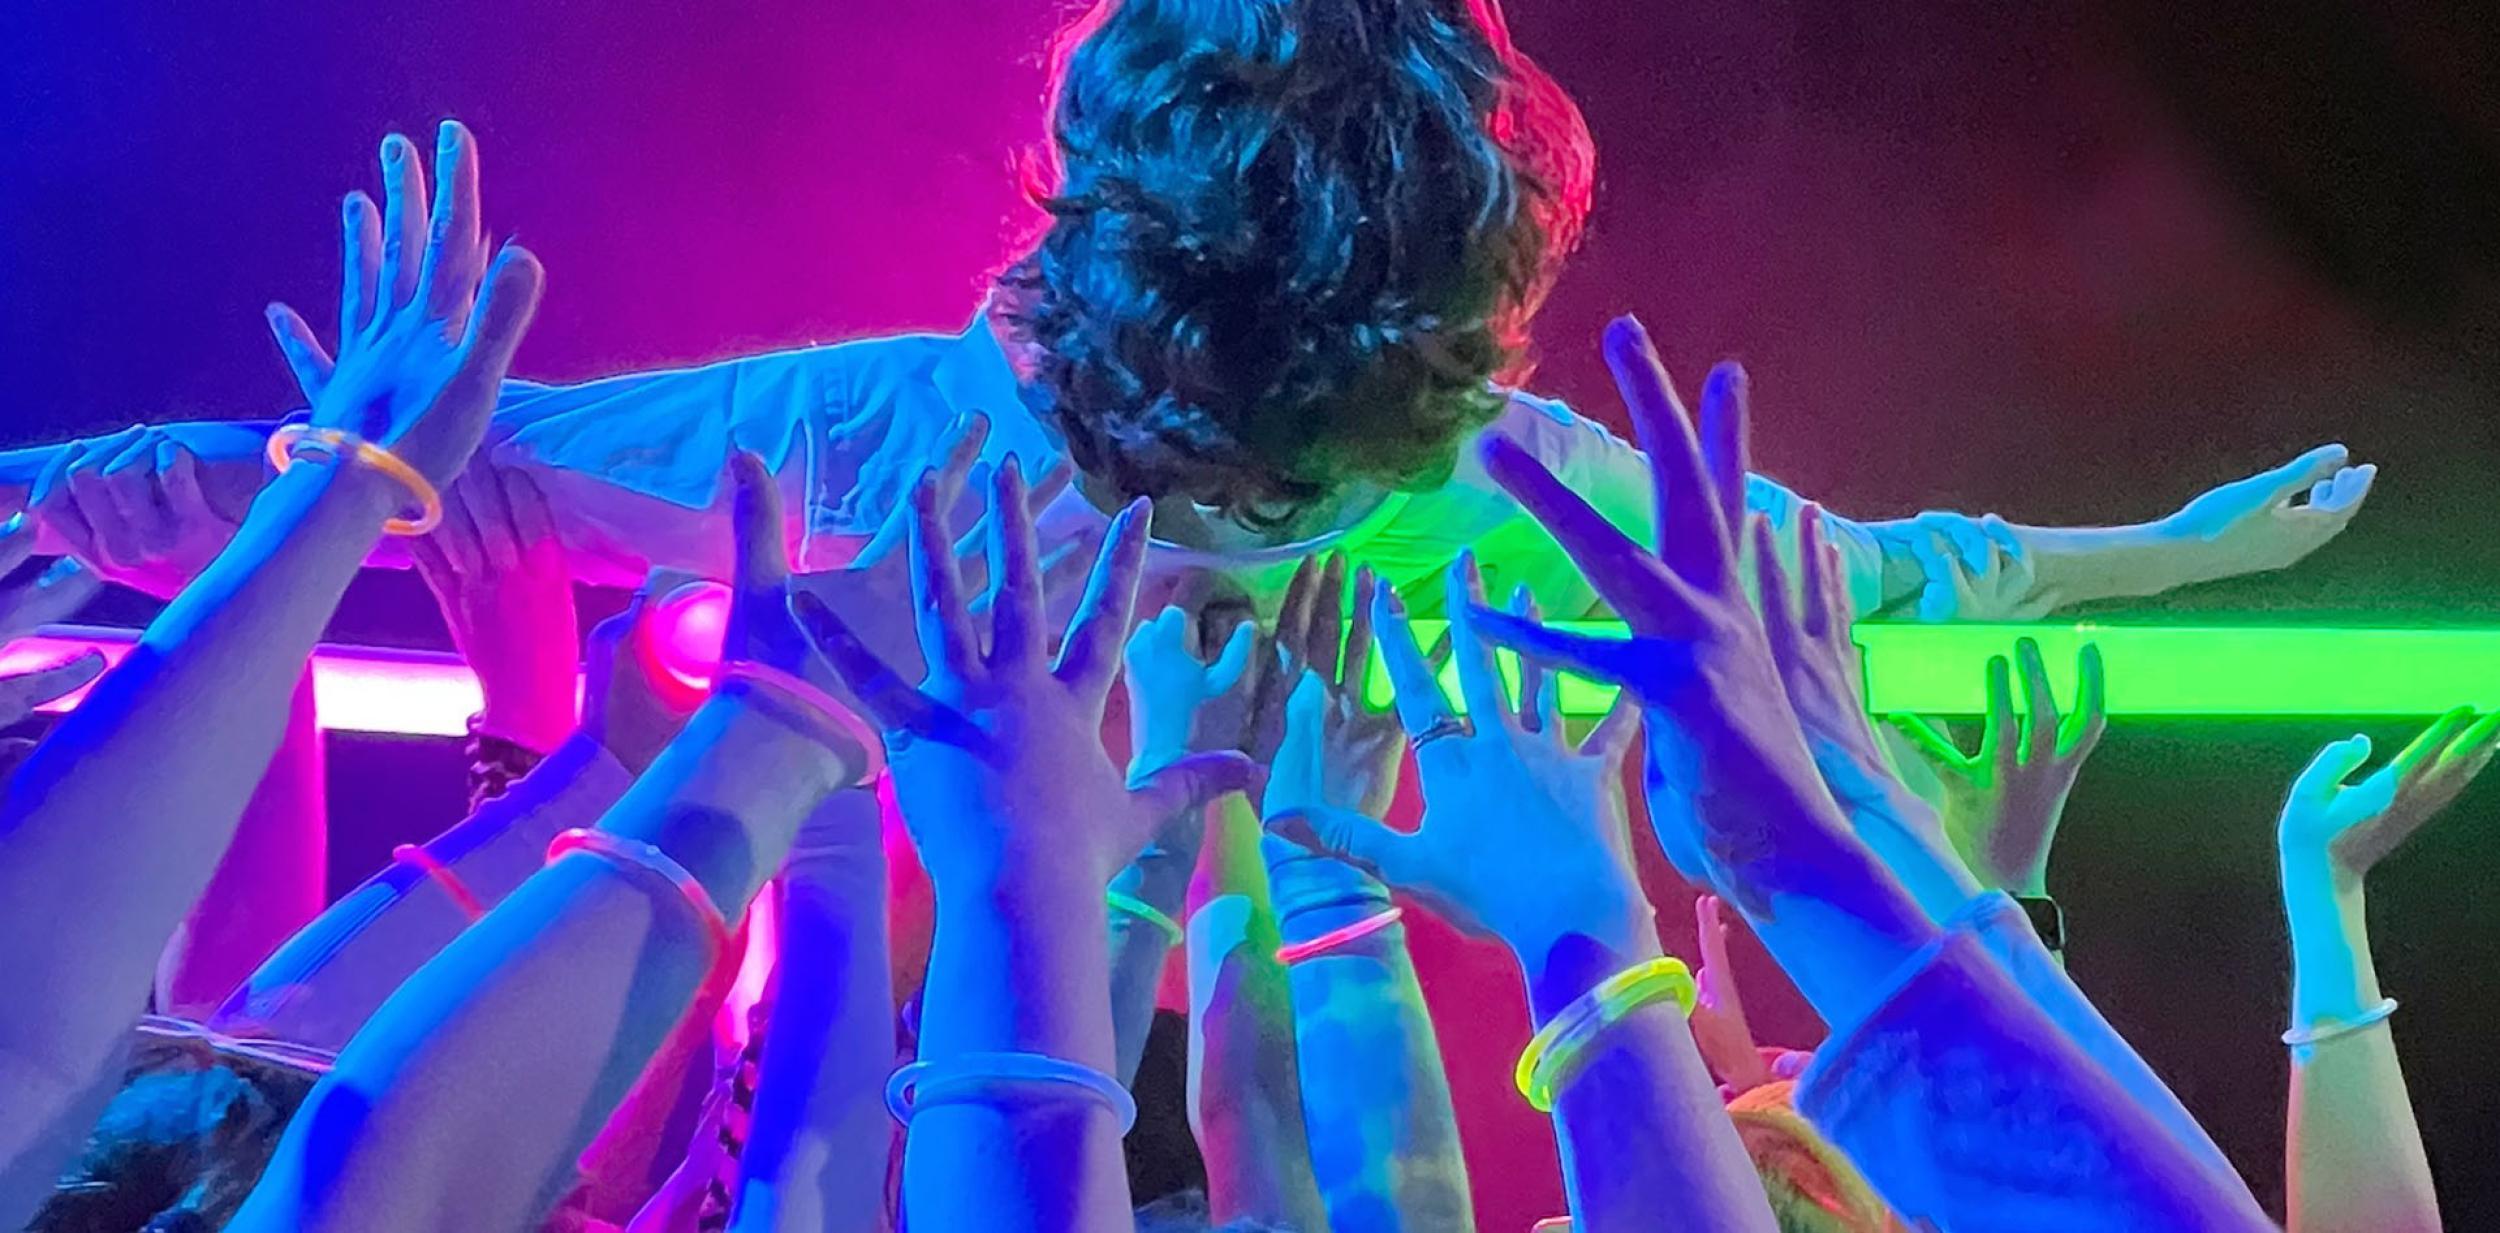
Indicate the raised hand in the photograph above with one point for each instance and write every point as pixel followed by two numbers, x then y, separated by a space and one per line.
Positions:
pixel 130 505
pixel 1733 791
pixel 1330 748
pixel 997 755
pixel 58 592
pixel 2274 518
pixel 625 706
pixel 499 574
pixel 427 326
pixel 1973 570
pixel 1524 835
pixel 1168 683
pixel 2003 803
pixel 1808 631
pixel 2343 829
pixel 1720 1029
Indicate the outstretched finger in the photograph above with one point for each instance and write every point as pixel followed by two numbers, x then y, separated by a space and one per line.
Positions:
pixel 22 692
pixel 403 222
pixel 1323 636
pixel 1354 670
pixel 1599 659
pixel 2039 727
pixel 504 310
pixel 1421 706
pixel 1479 678
pixel 306 359
pixel 1999 734
pixel 1725 409
pixel 1693 532
pixel 2326 773
pixel 1540 703
pixel 1233 661
pixel 938 617
pixel 1934 742
pixel 2422 749
pixel 1622 573
pixel 2090 716
pixel 1612 738
pixel 1088 655
pixel 360 256
pixel 889 701
pixel 455 251
pixel 1018 614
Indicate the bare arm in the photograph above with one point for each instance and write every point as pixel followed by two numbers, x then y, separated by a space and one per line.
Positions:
pixel 2353 1152
pixel 1245 1087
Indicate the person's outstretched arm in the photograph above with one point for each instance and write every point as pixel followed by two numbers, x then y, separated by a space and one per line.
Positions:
pixel 1943 566
pixel 1021 819
pixel 110 829
pixel 539 1019
pixel 1525 838
pixel 326 980
pixel 1167 685
pixel 1961 1101
pixel 1377 1107
pixel 1245 1084
pixel 2352 1152
pixel 130 507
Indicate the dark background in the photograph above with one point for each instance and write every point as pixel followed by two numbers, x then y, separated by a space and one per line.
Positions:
pixel 2069 262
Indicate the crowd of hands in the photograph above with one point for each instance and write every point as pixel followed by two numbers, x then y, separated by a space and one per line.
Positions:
pixel 1258 779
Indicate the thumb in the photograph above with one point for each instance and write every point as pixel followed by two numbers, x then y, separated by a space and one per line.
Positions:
pixel 503 313
pixel 763 559
pixel 1357 839
pixel 2327 772
pixel 1193 781
pixel 1234 660
pixel 22 693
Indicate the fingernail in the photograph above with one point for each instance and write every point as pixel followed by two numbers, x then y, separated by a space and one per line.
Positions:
pixel 447 136
pixel 15 524
pixel 391 149
pixel 58 572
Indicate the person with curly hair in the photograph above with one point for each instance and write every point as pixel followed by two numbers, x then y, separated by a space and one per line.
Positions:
pixel 1293 251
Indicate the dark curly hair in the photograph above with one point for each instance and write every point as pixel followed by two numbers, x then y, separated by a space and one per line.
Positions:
pixel 1292 242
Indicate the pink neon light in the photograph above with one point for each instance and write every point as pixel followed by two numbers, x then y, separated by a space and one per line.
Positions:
pixel 687 627
pixel 355 689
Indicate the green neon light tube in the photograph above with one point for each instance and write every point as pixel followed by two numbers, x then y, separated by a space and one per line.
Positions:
pixel 2208 670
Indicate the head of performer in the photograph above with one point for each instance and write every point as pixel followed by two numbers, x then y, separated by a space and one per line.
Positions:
pixel 1292 244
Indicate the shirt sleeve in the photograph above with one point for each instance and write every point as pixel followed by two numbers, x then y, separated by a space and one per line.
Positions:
pixel 632 465
pixel 1967 1107
pixel 1614 478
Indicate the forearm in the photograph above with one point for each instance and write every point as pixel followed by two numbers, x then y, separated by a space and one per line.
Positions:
pixel 2353 1155
pixel 1640 1124
pixel 1045 1161
pixel 1375 1099
pixel 1140 950
pixel 816 1151
pixel 271 881
pixel 2074 565
pixel 539 1019
pixel 112 827
pixel 326 980
pixel 1245 1085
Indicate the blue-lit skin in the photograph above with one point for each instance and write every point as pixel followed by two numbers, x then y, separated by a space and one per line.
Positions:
pixel 2354 1152
pixel 1525 838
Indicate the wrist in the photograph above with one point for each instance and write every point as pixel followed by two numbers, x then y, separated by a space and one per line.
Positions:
pixel 1562 972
